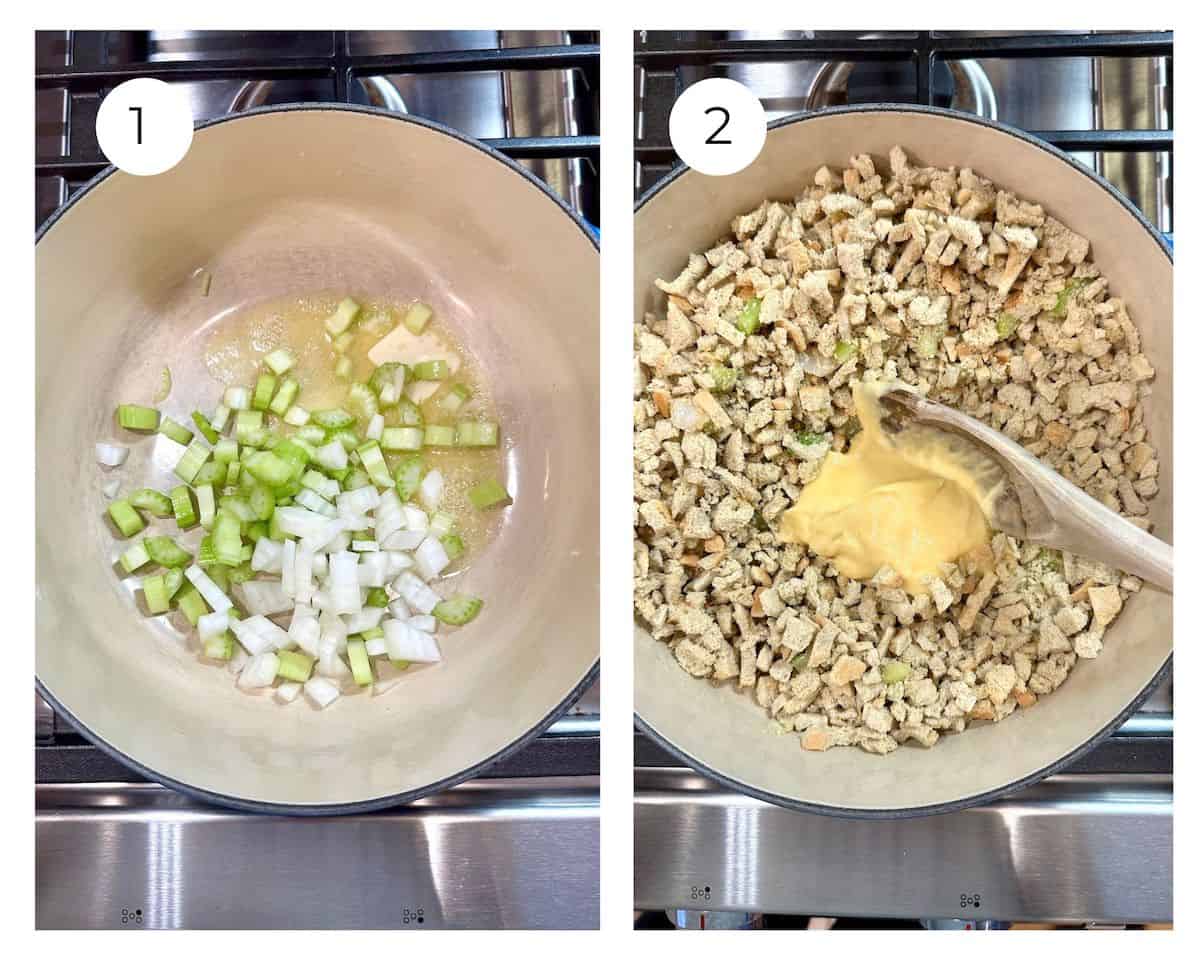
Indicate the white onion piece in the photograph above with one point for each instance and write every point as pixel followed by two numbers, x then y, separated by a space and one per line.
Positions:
pixel 398 562
pixel 399 609
pixel 339 543
pixel 111 489
pixel 431 558
pixel 322 542
pixel 302 523
pixel 389 517
pixel 258 634
pixel 111 454
pixel 376 647
pixel 321 692
pixel 357 502
pixel 304 574
pixel 265 597
pixel 432 486
pixel 267 556
pixel 332 456
pixel 321 566
pixel 816 364
pixel 403 540
pixel 237 398
pixel 212 594
pixel 306 633
pixel 685 415
pixel 288 691
pixel 373 570
pixel 212 625
pixel 344 593
pixel 375 428
pixel 287 567
pixel 405 643
pixel 424 622
pixel 368 618
pixel 415 593
pixel 333 631
pixel 259 671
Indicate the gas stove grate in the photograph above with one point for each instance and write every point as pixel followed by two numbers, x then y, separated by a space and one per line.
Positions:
pixel 340 67
pixel 658 56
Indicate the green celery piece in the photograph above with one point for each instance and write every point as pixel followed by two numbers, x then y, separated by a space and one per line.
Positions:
pixel 152 501
pixel 126 519
pixel 256 530
pixel 213 474
pixel 219 648
pixel 355 479
pixel 375 465
pixel 181 504
pixel 488 493
pixel 430 370
pixel 747 320
pixel 477 433
pixel 458 610
pixel 225 451
pixel 344 368
pixel 893 671
pixel 270 468
pixel 262 502
pixel 1060 306
pixel 439 436
pixel 806 438
pixel 134 417
pixel 285 397
pixel 137 557
pixel 194 457
pixel 408 477
pixel 166 552
pixel 361 402
pixel 294 666
pixel 234 472
pixel 227 538
pixel 155 591
pixel 724 378
pixel 173 578
pixel 220 576
pixel 844 350
pixel 382 375
pixel 342 319
pixel 242 572
pixel 264 390
pixel 418 317
pixel 191 603
pixel 175 431
pixel 335 419
pixel 206 554
pixel 280 361
pixel 207 504
pixel 402 438
pixel 248 426
pixel 371 633
pixel 452 543
pixel 164 385
pixel 205 428
pixel 1006 326
pixel 360 663
pixel 377 597
pixel 408 414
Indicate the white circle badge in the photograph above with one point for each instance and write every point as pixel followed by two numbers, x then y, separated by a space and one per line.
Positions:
pixel 144 126
pixel 718 126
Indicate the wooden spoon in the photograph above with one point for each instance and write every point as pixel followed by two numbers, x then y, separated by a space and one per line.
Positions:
pixel 1039 505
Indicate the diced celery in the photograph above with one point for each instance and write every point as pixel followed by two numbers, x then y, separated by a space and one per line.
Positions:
pixel 383 375
pixel 296 415
pixel 441 523
pixel 286 396
pixel 417 318
pixel 893 671
pixel 724 378
pixel 458 610
pixel 361 402
pixel 477 433
pixel 1006 325
pixel 166 552
pixel 227 538
pixel 262 502
pixel 256 530
pixel 181 505
pixel 156 503
pixel 844 350
pixel 408 414
pixel 373 462
pixel 220 417
pixel 360 663
pixel 173 578
pixel 137 556
pixel 234 472
pixel 207 504
pixel 194 457
pixel 356 478
pixel 280 361
pixel 345 315
pixel 246 425
pixel 126 519
pixel 439 436
pixel 377 597
pixel 431 370
pixel 402 438
pixel 294 665
pixel 207 430
pixel 175 431
pixel 155 591
pixel 344 368
pixel 264 390
pixel 488 493
pixel 347 438
pixel 270 468
pixel 335 419
pixel 191 603
pixel 408 477
pixel 747 320
pixel 219 648
pixel 226 451
pixel 134 417
pixel 212 474
pixel 452 543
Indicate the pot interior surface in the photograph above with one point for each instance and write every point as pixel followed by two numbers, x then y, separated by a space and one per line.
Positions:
pixel 726 731
pixel 291 203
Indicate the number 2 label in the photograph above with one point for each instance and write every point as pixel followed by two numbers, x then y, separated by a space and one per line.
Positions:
pixel 718 127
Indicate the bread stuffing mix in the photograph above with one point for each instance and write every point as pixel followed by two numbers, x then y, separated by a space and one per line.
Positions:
pixel 744 383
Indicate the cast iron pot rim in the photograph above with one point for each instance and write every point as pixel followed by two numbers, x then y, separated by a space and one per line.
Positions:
pixel 375 803
pixel 986 796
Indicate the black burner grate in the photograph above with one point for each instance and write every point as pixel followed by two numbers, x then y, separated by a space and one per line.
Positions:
pixel 60 73
pixel 659 57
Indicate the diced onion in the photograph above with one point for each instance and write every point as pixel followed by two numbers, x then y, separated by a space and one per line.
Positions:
pixel 111 454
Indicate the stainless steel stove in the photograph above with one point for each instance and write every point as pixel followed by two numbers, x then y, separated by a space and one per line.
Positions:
pixel 517 847
pixel 1091 846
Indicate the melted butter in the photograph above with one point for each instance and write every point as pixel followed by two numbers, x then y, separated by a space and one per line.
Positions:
pixel 911 500
pixel 236 345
